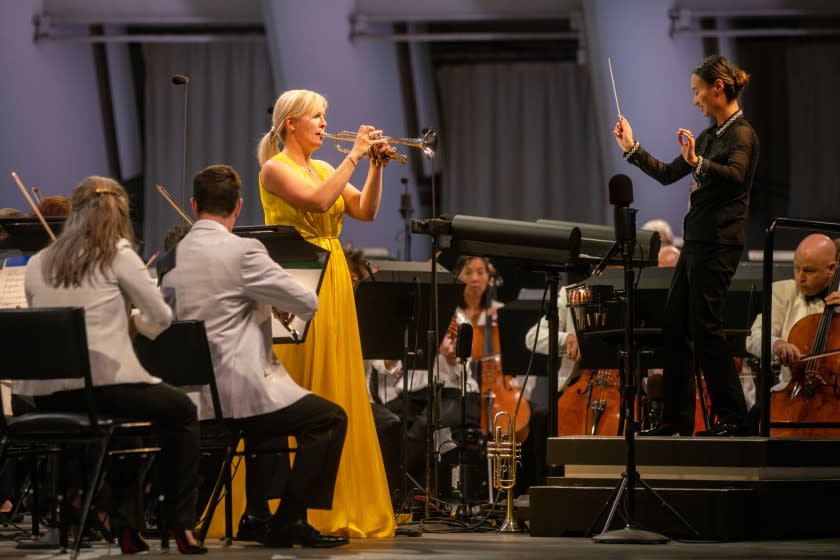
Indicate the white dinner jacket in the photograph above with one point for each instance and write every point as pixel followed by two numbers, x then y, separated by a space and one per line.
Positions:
pixel 230 282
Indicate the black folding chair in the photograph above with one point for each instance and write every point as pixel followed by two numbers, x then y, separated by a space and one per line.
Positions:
pixel 23 334
pixel 181 357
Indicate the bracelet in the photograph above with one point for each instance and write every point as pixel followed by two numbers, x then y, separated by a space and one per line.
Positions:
pixel 633 150
pixel 698 169
pixel 353 161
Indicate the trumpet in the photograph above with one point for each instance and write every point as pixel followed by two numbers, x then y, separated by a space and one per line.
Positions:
pixel 426 143
pixel 505 452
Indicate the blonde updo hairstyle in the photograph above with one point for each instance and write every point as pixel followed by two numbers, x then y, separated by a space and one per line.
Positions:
pixel 295 103
pixel 717 67
pixel 98 221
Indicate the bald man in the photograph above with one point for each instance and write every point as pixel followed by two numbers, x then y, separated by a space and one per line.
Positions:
pixel 814 263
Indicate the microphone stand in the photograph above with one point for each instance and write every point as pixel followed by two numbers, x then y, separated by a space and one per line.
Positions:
pixel 625 227
pixel 185 81
pixel 464 349
pixel 406 210
pixel 432 357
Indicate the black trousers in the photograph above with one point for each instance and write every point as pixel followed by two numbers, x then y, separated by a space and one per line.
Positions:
pixel 694 311
pixel 319 426
pixel 174 417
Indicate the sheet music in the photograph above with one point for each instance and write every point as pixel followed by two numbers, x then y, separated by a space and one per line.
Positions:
pixel 12 294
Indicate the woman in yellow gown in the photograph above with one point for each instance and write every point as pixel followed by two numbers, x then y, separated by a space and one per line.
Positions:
pixel 313 197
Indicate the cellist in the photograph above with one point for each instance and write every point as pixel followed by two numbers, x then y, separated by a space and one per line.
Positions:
pixel 814 264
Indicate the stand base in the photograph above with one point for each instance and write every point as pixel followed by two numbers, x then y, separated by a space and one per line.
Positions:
pixel 630 535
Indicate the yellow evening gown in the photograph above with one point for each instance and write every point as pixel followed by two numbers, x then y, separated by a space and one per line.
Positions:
pixel 329 363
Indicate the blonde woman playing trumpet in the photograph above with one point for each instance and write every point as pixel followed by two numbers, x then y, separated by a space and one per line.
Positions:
pixel 314 197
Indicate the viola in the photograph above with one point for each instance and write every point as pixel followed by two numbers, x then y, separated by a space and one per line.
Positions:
pixel 813 395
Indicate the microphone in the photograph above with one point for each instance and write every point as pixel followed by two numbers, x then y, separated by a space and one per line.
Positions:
pixel 624 217
pixel 178 80
pixel 463 347
pixel 621 190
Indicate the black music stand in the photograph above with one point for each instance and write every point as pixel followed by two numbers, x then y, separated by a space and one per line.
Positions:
pixel 27 236
pixel 515 320
pixel 304 261
pixel 390 308
pixel 601 349
pixel 742 301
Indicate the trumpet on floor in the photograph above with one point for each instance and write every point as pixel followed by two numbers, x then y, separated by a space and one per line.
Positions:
pixel 426 143
pixel 505 452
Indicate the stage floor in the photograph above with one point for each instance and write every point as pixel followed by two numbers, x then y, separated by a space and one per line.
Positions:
pixel 483 546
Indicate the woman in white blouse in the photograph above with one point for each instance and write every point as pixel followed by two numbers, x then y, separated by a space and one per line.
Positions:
pixel 92 265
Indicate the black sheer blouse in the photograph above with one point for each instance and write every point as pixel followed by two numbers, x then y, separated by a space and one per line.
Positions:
pixel 719 204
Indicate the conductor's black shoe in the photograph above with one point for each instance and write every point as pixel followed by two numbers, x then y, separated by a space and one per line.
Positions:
pixel 663 429
pixel 287 534
pixel 251 528
pixel 725 429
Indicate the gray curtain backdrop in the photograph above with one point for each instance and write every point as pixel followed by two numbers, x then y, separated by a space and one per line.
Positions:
pixel 813 114
pixel 230 90
pixel 519 141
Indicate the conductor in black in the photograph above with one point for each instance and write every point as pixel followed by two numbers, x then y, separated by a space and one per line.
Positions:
pixel 722 161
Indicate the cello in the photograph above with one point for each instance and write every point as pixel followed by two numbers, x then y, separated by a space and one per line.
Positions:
pixel 591 404
pixel 498 394
pixel 813 394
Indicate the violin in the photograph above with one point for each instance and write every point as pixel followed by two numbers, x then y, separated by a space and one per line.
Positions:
pixel 813 395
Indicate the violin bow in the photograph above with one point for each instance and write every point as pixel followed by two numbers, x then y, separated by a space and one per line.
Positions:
pixel 33 205
pixel 168 198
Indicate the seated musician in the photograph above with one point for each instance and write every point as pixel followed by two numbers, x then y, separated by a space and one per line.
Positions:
pixel 55 205
pixel 668 252
pixel 536 340
pixel 231 283
pixel 93 265
pixel 477 304
pixel 814 264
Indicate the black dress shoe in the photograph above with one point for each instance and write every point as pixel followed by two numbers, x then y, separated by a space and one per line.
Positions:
pixel 280 534
pixel 725 429
pixel 663 429
pixel 251 528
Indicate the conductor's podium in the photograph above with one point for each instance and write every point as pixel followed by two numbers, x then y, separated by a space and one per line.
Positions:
pixel 726 488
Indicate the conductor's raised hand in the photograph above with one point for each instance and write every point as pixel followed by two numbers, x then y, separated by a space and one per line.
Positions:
pixel 686 141
pixel 623 134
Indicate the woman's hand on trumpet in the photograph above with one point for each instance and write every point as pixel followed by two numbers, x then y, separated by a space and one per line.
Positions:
pixel 366 138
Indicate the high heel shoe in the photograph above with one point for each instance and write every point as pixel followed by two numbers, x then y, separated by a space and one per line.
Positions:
pixel 131 541
pixel 184 545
